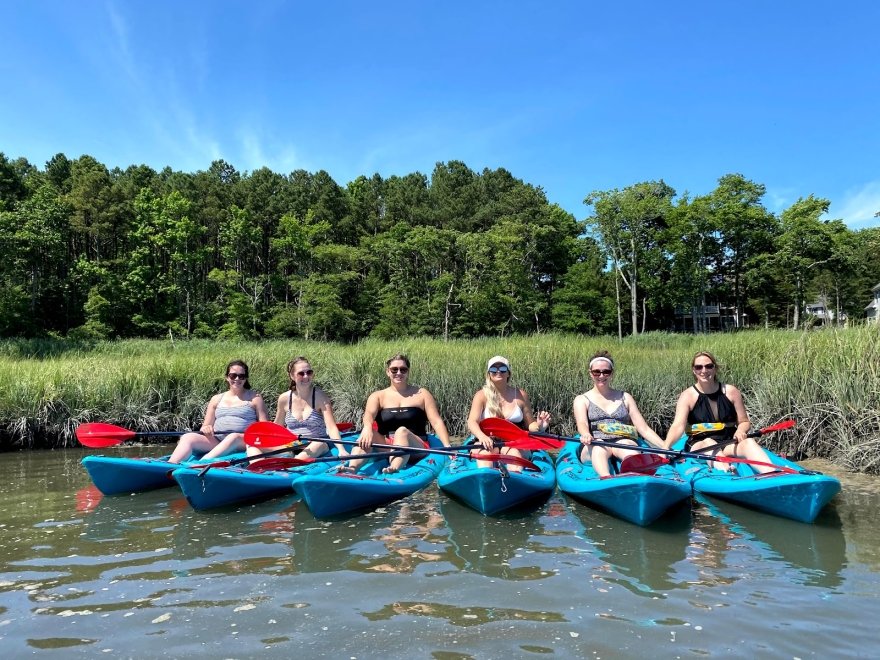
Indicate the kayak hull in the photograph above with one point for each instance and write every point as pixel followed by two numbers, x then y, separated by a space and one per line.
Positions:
pixel 490 491
pixel 333 494
pixel 799 496
pixel 637 498
pixel 116 475
pixel 230 486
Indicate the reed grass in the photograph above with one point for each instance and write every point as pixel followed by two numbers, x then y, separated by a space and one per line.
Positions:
pixel 828 380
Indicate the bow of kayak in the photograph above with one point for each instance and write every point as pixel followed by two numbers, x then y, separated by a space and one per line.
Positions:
pixel 637 498
pixel 115 475
pixel 491 490
pixel 799 495
pixel 332 493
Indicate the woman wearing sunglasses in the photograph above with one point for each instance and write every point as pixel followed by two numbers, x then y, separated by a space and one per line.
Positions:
pixel 602 404
pixel 401 413
pixel 709 400
pixel 227 416
pixel 305 410
pixel 498 398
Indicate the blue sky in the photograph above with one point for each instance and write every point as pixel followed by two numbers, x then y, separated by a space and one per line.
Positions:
pixel 570 96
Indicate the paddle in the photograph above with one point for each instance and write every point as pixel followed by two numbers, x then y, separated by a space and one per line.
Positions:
pixel 268 434
pixel 649 464
pixel 99 435
pixel 96 434
pixel 508 431
pixel 283 463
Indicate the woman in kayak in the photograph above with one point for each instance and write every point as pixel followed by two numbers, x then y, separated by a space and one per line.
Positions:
pixel 602 404
pixel 401 412
pixel 498 398
pixel 305 410
pixel 227 416
pixel 710 401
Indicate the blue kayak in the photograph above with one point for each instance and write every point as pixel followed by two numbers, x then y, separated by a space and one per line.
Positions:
pixel 494 489
pixel 227 486
pixel 114 475
pixel 799 496
pixel 638 498
pixel 333 493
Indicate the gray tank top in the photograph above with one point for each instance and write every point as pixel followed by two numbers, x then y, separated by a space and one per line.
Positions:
pixel 311 427
pixel 598 416
pixel 233 419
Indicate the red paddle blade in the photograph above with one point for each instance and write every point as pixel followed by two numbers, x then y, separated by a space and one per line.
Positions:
pixel 534 442
pixel 96 434
pixel 278 463
pixel 344 426
pixel 268 435
pixel 781 426
pixel 501 428
pixel 643 463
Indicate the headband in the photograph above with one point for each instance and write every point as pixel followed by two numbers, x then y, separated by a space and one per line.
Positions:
pixel 604 359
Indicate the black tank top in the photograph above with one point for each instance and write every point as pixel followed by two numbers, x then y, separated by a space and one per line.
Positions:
pixel 702 413
pixel 412 417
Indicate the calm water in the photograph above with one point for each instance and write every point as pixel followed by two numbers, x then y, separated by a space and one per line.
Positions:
pixel 145 576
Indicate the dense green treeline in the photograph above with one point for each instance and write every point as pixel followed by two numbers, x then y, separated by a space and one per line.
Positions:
pixel 93 253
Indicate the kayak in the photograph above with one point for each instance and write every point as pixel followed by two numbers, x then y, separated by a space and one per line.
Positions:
pixel 495 489
pixel 115 475
pixel 227 486
pixel 635 497
pixel 332 493
pixel 799 496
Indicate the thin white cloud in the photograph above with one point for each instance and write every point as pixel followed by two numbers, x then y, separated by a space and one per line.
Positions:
pixel 282 158
pixel 859 206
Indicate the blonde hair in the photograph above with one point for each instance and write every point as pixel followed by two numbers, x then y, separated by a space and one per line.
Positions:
pixel 494 404
pixel 711 357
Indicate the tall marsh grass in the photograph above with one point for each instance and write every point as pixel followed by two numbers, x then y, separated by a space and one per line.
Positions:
pixel 828 380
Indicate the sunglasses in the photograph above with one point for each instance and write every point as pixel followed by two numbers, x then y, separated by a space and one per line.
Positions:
pixel 700 367
pixel 498 370
pixel 601 372
pixel 398 370
pixel 235 376
pixel 307 372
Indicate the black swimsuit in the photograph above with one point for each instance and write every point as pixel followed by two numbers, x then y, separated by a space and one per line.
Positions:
pixel 702 413
pixel 412 417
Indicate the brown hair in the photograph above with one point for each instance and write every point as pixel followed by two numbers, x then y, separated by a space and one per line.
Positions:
pixel 394 358
pixel 243 365
pixel 291 365
pixel 603 355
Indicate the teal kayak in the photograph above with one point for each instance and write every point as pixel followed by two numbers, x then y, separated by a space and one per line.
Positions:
pixel 228 486
pixel 115 475
pixel 637 498
pixel 332 493
pixel 798 495
pixel 494 489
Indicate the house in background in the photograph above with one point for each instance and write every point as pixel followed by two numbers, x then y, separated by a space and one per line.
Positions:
pixel 872 311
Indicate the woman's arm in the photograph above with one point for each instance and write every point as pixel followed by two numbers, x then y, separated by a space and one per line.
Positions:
pixel 580 406
pixel 371 409
pixel 260 405
pixel 281 410
pixel 326 408
pixel 478 404
pixel 682 408
pixel 639 422
pixel 210 416
pixel 743 423
pixel 433 414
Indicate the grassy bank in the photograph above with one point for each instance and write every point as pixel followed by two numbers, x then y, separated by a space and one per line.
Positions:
pixel 828 380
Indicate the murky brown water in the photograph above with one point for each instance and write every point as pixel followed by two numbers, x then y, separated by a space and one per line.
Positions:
pixel 144 576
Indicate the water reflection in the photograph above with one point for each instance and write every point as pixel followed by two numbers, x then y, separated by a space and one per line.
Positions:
pixel 640 559
pixel 499 547
pixel 816 551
